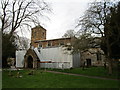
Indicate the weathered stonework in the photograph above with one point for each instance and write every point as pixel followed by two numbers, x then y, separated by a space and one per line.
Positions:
pixel 91 55
pixel 38 33
pixel 30 53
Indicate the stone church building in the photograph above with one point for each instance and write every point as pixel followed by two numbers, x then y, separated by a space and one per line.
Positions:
pixel 53 53
pixel 49 53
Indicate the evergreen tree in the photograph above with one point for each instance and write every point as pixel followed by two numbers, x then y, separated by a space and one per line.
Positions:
pixel 8 48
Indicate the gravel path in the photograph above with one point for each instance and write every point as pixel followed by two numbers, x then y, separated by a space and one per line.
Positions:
pixel 82 75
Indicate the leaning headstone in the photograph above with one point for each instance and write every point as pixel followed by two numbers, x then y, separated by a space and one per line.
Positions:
pixel 18 75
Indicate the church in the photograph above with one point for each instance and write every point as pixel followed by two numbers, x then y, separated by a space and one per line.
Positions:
pixel 53 53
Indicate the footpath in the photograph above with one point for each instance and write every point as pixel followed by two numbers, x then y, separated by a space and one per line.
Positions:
pixel 83 75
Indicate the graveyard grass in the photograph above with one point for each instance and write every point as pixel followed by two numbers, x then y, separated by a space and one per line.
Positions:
pixel 92 71
pixel 42 79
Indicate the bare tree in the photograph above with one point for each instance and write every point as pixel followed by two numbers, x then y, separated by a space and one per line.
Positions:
pixel 23 43
pixel 82 43
pixel 95 17
pixel 4 15
pixel 94 21
pixel 17 14
pixel 69 33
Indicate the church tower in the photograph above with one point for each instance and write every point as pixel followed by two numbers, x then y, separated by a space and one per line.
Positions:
pixel 38 33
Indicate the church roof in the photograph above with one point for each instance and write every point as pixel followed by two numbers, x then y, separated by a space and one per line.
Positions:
pixel 51 40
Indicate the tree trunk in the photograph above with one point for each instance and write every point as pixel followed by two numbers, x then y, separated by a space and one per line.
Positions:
pixel 109 54
pixel 82 60
pixel 110 71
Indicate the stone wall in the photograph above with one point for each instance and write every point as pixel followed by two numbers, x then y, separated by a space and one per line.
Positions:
pixel 38 33
pixel 92 55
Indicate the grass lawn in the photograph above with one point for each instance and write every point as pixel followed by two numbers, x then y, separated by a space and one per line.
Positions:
pixel 92 71
pixel 51 80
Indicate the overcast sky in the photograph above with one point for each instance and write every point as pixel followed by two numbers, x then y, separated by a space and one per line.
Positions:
pixel 64 16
